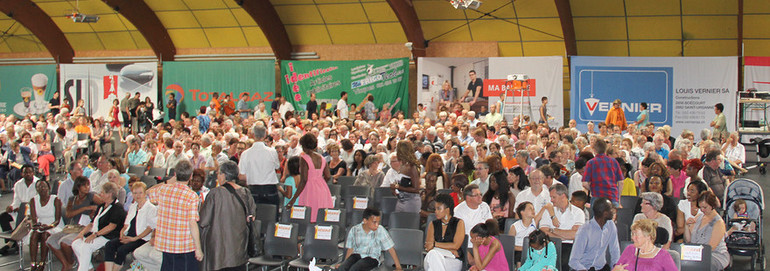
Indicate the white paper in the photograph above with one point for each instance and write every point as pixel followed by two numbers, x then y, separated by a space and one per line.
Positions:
pixel 323 232
pixel 298 212
pixel 691 253
pixel 84 220
pixel 283 230
pixel 332 215
pixel 312 267
pixel 334 201
pixel 360 203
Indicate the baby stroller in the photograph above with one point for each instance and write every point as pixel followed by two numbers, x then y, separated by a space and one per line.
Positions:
pixel 763 151
pixel 746 241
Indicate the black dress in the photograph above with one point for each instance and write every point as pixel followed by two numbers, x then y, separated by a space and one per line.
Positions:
pixel 449 234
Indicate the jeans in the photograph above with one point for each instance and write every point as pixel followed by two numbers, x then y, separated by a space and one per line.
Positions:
pixel 179 262
pixel 356 263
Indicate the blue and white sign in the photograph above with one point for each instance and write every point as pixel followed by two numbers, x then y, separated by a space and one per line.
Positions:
pixel 679 91
pixel 597 87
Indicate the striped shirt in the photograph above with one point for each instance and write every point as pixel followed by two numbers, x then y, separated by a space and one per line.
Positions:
pixel 177 205
pixel 369 244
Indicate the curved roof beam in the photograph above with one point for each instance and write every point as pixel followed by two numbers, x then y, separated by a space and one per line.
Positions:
pixel 407 16
pixel 567 26
pixel 145 20
pixel 42 26
pixel 263 12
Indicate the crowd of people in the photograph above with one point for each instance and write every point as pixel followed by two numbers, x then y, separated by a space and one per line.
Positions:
pixel 473 171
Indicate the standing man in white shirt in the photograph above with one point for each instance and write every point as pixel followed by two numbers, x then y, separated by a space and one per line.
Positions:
pixel 286 106
pixel 537 193
pixel 257 165
pixel 342 106
pixel 23 191
pixel 562 219
pixel 472 210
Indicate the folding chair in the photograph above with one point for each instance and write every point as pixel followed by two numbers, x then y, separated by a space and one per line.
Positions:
pixel 157 172
pixel 690 265
pixel 628 201
pixel 408 246
pixel 267 214
pixel 320 243
pixel 331 216
pixel 57 148
pixel 350 205
pixel 299 215
pixel 278 250
pixel 20 214
pixel 346 180
pixel 556 243
pixel 508 223
pixel 625 216
pixel 136 170
pixel 380 193
pixel 149 181
pixel 509 247
pixel 404 220
pixel 677 259
pixel 387 206
pixel 335 189
pixel 355 190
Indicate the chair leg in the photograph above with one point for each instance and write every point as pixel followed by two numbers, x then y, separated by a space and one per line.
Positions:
pixel 21 255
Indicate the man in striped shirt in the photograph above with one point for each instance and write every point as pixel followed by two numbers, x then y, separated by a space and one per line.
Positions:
pixel 602 174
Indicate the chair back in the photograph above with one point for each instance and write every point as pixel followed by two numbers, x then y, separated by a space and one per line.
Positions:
pixel 404 220
pixel 280 246
pixel 321 243
pixel 465 255
pixel 444 191
pixel 83 137
pixel 157 172
pixel 625 215
pixel 628 201
pixel 387 206
pixel 350 205
pixel 624 232
pixel 408 246
pixel 357 190
pixel 355 218
pixel 691 265
pixel 331 216
pixel 149 181
pixel 136 170
pixel 677 259
pixel 509 247
pixel 344 181
pixel 335 189
pixel 381 192
pixel 508 223
pixel 299 215
pixel 266 213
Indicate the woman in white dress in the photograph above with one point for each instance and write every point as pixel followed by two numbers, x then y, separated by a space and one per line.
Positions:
pixel 45 215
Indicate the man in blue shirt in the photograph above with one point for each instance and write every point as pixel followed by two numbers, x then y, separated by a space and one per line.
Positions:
pixel 365 244
pixel 594 239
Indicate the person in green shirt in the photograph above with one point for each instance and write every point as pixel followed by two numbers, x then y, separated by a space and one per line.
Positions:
pixel 719 123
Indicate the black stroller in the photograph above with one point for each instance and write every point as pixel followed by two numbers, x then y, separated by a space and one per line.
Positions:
pixel 762 146
pixel 747 241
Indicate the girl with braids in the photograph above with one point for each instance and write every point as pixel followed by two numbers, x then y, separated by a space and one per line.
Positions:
pixel 408 186
pixel 541 254
pixel 488 251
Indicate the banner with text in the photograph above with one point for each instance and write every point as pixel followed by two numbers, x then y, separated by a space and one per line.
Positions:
pixel 193 82
pixel 386 79
pixel 99 84
pixel 545 80
pixel 26 89
pixel 679 91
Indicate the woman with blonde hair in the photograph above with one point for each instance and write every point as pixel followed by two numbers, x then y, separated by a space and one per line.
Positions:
pixel 408 184
pixel 643 254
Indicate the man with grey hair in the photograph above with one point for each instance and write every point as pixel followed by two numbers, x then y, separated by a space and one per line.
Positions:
pixel 206 145
pixel 257 165
pixel 562 219
pixel 482 174
pixel 177 234
pixel 177 155
pixel 472 210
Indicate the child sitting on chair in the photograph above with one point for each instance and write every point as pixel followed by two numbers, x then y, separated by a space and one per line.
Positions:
pixel 541 254
pixel 741 213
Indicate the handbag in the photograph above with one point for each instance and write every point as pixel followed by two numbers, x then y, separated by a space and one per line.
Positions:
pixel 252 247
pixel 22 229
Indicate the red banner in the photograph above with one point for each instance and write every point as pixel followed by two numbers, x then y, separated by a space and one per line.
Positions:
pixel 496 87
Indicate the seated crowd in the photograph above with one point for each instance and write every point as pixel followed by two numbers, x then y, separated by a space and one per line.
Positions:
pixel 467 175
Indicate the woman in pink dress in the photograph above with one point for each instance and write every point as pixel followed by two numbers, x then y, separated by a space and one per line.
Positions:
pixel 312 189
pixel 115 110
pixel 489 250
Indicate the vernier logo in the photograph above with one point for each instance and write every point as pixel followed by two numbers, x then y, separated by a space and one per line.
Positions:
pixel 593 104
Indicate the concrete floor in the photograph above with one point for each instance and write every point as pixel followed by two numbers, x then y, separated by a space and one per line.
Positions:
pixel 739 263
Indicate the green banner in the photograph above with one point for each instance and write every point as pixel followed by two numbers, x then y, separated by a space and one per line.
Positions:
pixel 194 82
pixel 26 89
pixel 386 79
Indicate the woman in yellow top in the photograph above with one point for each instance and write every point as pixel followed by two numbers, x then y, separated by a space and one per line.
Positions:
pixel 616 116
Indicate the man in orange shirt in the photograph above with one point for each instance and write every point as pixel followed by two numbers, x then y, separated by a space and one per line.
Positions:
pixel 217 104
pixel 229 105
pixel 616 116
pixel 509 161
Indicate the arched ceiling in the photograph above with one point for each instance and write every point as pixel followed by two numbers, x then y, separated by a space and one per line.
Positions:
pixel 520 28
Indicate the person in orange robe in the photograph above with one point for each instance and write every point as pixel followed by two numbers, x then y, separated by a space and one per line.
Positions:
pixel 616 116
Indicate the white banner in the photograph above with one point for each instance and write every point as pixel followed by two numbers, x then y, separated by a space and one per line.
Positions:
pixel 679 91
pixel 99 84
pixel 756 75
pixel 545 79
